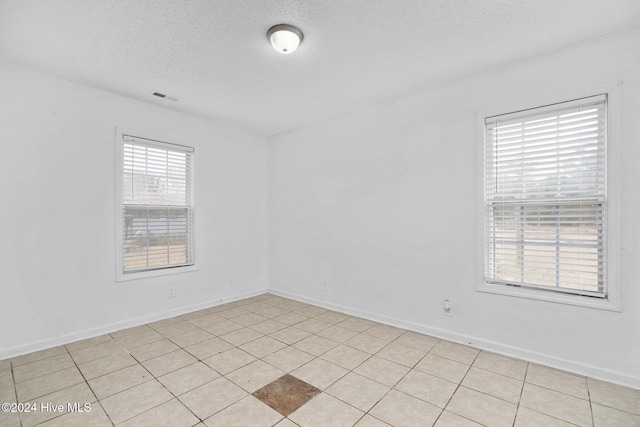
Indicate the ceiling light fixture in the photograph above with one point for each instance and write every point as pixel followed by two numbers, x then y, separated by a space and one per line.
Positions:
pixel 284 38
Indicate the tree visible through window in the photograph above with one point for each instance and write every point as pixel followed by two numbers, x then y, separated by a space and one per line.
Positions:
pixel 545 201
pixel 157 205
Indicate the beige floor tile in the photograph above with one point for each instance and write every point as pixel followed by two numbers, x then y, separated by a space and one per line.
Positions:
pixel 401 354
pixel 333 317
pixel 272 312
pixel 319 373
pixel 366 343
pixel 241 336
pixel 441 367
pixel 212 397
pixel 458 352
pixel 528 418
pixel 356 324
pixel 89 342
pixel 615 396
pixel 249 319
pixel 315 345
pixel 345 357
pixel 384 332
pixel 170 414
pixel 290 335
pixel 233 312
pixel 9 419
pixel 427 387
pixel 290 318
pixel 324 410
pixel 46 384
pixel 106 365
pixel 503 365
pixel 154 349
pixel 338 334
pixel 179 328
pixel 134 401
pixel 41 367
pixel 169 362
pixel 6 377
pixel 115 382
pixel 207 320
pixel 79 393
pixel 38 355
pixel 188 378
pixel 291 305
pixel 195 315
pixel 131 331
pixel 164 322
pixel 400 410
pixel 229 360
pixel 94 418
pixel 369 421
pixel 286 423
pixel 313 326
pixel 222 328
pixel 190 338
pixel 493 384
pixel 449 419
pixel 482 408
pixel 311 311
pixel 8 394
pixel 553 379
pixel 382 370
pixel 288 359
pixel 268 326
pixel 603 416
pixel 5 365
pixel 218 308
pixel 556 404
pixel 208 348
pixel 358 391
pixel 98 351
pixel 263 346
pixel 247 412
pixel 255 375
pixel 418 341
pixel 136 340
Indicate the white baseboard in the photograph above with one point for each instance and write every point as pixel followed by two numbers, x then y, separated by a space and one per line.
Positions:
pixel 112 327
pixel 591 371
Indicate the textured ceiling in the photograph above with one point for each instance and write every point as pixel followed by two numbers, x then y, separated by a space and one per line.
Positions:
pixel 214 54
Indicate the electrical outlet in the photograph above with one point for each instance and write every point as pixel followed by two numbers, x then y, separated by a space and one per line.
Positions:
pixel 172 292
pixel 447 308
pixel 325 285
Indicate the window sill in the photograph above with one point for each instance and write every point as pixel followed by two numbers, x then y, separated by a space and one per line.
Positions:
pixel 124 277
pixel 542 295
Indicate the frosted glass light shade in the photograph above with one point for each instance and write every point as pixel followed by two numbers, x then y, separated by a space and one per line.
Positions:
pixel 284 38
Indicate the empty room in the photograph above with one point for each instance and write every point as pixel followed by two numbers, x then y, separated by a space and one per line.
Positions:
pixel 320 213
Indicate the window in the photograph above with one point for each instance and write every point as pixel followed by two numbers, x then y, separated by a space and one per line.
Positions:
pixel 545 198
pixel 157 216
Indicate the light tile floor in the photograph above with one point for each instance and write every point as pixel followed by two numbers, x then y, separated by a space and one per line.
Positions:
pixel 201 368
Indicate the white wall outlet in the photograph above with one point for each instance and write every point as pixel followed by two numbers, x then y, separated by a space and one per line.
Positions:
pixel 172 292
pixel 447 308
pixel 325 285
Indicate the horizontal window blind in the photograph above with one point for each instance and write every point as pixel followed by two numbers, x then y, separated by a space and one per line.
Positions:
pixel 545 201
pixel 157 194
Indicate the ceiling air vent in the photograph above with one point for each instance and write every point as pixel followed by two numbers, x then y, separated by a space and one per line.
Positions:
pixel 164 96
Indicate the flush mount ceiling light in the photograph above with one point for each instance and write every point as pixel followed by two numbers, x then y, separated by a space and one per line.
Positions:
pixel 284 38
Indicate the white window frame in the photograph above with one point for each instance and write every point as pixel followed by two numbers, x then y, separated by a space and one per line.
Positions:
pixel 119 159
pixel 613 300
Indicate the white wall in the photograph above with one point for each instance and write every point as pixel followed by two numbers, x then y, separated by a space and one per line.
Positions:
pixel 383 205
pixel 57 215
